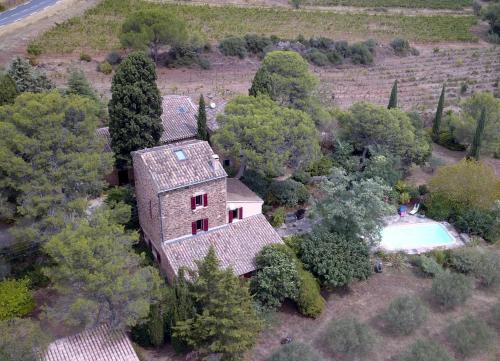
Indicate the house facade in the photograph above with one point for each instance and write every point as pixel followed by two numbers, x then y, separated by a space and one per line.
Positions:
pixel 186 203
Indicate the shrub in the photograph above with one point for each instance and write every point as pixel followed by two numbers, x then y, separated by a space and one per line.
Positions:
pixel 470 336
pixel 323 166
pixel 295 352
pixel 429 265
pixel 34 49
pixel 85 57
pixel 302 177
pixel 16 299
pixel 105 68
pixel 278 217
pixel 475 222
pixel 288 193
pixel 465 260
pixel 426 350
pixel 233 46
pixel 495 315
pixel 360 54
pixel 400 46
pixel 349 337
pixel 294 242
pixel 371 44
pixel 257 183
pixel 114 58
pixel 334 57
pixel 487 270
pixel 440 256
pixel 404 315
pixel 451 289
pixel 309 300
pixel 256 44
pixel 342 48
pixel 184 55
pixel 204 63
pixel 317 57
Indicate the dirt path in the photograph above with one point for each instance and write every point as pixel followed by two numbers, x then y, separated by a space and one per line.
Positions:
pixel 15 37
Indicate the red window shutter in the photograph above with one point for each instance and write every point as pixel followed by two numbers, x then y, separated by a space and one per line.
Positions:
pixel 205 224
pixel 205 200
pixel 193 227
pixel 193 202
pixel 230 216
pixel 240 213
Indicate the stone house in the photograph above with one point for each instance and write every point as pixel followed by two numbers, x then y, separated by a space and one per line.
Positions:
pixel 186 203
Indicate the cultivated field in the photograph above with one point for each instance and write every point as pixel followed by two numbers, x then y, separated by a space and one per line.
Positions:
pixel 431 4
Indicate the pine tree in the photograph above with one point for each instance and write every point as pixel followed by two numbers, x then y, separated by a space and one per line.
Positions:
pixel 225 321
pixel 134 109
pixel 475 149
pixel 393 100
pixel 261 83
pixel 27 78
pixel 79 85
pixel 8 89
pixel 202 120
pixel 439 114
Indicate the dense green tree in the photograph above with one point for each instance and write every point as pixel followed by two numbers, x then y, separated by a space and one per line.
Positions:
pixel 335 259
pixel 463 126
pixel 8 89
pixel 151 29
pixel 355 208
pixel 368 125
pixel 285 77
pixel 384 166
pixel 50 161
pixel 393 100
pixel 155 325
pixel 491 14
pixel 202 120
pixel 436 126
pixel 265 136
pixel 475 148
pixel 277 278
pixel 21 339
pixel 225 321
pixel 27 78
pixel 79 85
pixel 16 299
pixel 134 109
pixel 92 289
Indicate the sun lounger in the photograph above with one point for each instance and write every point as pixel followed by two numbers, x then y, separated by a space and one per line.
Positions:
pixel 415 209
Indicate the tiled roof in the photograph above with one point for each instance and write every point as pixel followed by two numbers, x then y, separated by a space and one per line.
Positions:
pixel 236 245
pixel 98 344
pixel 178 118
pixel 238 192
pixel 170 172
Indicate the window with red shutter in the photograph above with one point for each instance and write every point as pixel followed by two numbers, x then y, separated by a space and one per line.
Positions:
pixel 193 202
pixel 240 213
pixel 205 224
pixel 205 200
pixel 230 216
pixel 193 227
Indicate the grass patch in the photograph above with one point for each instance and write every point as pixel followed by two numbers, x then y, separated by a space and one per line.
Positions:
pixel 98 28
pixel 429 4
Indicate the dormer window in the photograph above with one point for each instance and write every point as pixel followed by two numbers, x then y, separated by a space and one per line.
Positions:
pixel 180 154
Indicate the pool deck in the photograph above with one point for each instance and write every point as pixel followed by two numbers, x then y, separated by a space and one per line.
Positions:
pixel 413 219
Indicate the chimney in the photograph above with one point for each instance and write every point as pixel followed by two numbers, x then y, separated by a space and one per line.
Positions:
pixel 214 161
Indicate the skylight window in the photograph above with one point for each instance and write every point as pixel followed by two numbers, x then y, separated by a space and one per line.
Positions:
pixel 180 154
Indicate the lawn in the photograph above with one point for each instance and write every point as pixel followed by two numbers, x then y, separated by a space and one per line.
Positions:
pixel 430 4
pixel 98 28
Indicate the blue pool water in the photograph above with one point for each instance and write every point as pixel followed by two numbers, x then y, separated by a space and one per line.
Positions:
pixel 418 236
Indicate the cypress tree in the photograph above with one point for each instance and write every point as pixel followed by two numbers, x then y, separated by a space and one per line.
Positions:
pixel 134 109
pixel 439 114
pixel 202 120
pixel 393 100
pixel 155 326
pixel 475 148
pixel 8 89
pixel 261 83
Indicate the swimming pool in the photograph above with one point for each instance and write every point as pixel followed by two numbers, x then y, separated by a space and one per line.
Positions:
pixel 417 237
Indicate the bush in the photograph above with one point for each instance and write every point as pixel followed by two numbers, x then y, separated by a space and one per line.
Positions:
pixel 400 46
pixel 429 265
pixel 465 260
pixel 470 336
pixel 85 57
pixel 233 46
pixel 349 337
pixel 105 68
pixel 295 352
pixel 114 58
pixel 441 256
pixel 342 47
pixel 404 315
pixel 184 55
pixel 302 177
pixel 278 217
pixel 288 193
pixel 360 54
pixel 257 183
pixel 309 300
pixel 323 166
pixel 426 350
pixel 334 57
pixel 16 299
pixel 34 49
pixel 451 289
pixel 487 270
pixel 204 63
pixel 317 57
pixel 475 222
pixel 495 315
pixel 256 44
